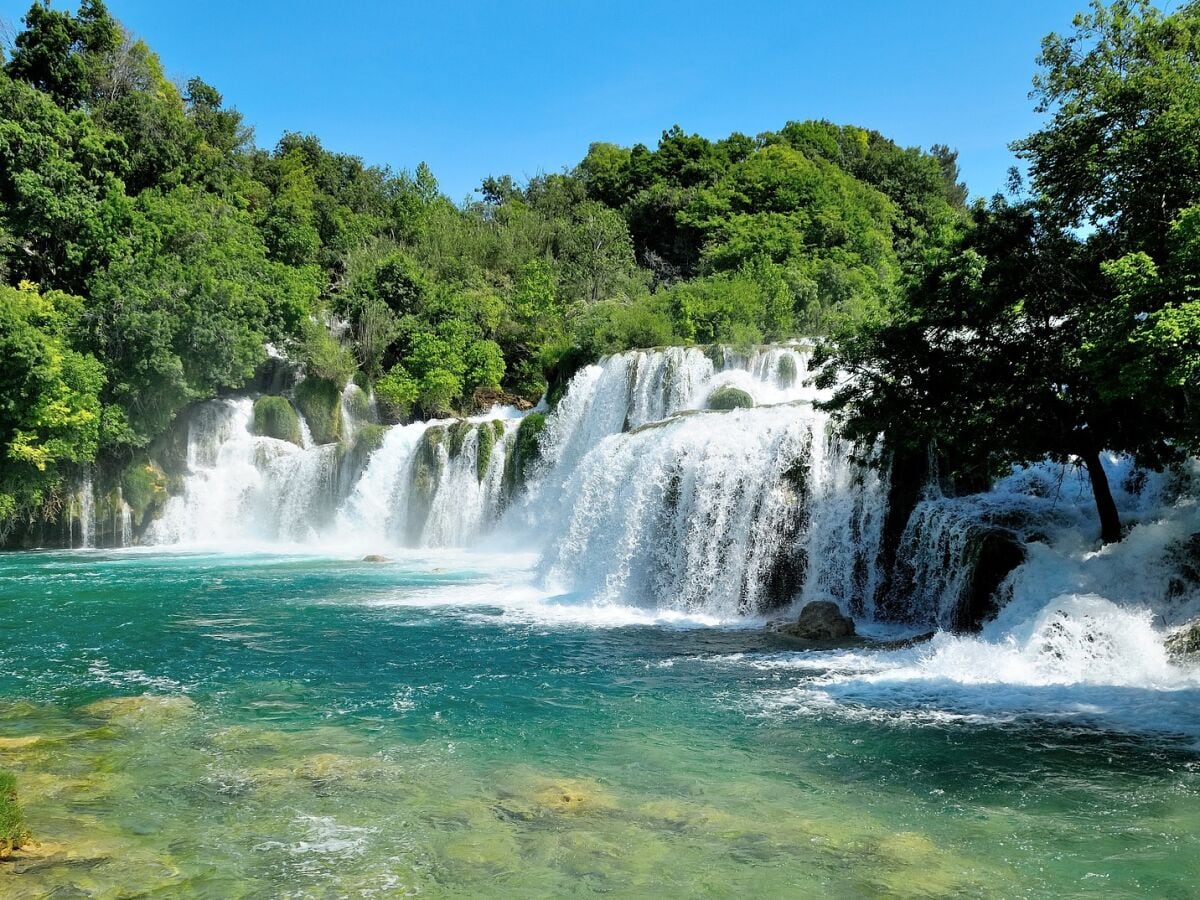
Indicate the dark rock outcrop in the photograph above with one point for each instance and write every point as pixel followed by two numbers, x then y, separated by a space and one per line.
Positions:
pixel 996 552
pixel 820 620
pixel 1184 643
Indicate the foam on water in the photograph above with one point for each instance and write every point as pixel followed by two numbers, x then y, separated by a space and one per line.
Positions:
pixel 645 508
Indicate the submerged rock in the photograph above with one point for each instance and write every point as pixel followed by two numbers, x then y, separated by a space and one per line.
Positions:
pixel 13 833
pixel 820 620
pixel 376 558
pixel 1184 643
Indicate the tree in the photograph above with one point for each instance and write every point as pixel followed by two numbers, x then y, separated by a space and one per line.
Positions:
pixel 1121 150
pixel 63 54
pixel 50 408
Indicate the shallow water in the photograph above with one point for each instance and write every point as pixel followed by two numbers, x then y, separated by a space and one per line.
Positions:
pixel 217 725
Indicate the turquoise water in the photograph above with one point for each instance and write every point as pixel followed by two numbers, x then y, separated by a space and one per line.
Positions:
pixel 268 725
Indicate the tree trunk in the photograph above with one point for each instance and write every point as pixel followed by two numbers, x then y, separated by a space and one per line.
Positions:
pixel 1110 519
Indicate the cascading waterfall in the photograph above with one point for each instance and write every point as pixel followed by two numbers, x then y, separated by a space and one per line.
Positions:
pixel 86 513
pixel 641 494
pixel 648 499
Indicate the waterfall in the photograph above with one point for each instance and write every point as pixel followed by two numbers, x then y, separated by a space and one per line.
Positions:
pixel 634 490
pixel 85 511
pixel 717 512
pixel 649 499
pixel 243 486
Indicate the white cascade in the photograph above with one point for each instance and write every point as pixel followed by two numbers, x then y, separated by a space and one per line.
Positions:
pixel 85 499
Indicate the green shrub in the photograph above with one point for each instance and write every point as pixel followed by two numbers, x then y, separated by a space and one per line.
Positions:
pixel 397 393
pixel 144 487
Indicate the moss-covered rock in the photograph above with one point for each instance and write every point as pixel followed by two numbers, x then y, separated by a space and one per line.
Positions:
pixel 144 488
pixel 729 397
pixel 426 473
pixel 485 437
pixel 274 417
pixel 367 440
pixel 457 436
pixel 526 450
pixel 786 372
pixel 358 403
pixel 13 833
pixel 320 402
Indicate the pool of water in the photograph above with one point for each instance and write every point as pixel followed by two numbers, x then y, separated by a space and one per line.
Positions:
pixel 219 725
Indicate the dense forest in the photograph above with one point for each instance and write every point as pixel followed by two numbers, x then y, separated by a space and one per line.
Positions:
pixel 152 255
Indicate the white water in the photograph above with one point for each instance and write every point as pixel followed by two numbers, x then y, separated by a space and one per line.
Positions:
pixel 647 508
pixel 1080 639
pixel 87 513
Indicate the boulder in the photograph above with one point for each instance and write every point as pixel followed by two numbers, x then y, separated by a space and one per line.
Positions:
pixel 320 402
pixel 484 398
pixel 375 558
pixel 820 620
pixel 1184 643
pixel 729 397
pixel 274 417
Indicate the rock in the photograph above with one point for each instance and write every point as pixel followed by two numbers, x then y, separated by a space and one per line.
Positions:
pixel 525 452
pixel 485 398
pixel 905 643
pixel 996 551
pixel 1184 643
pixel 820 620
pixel 274 417
pixel 142 710
pixel 375 558
pixel 320 402
pixel 729 397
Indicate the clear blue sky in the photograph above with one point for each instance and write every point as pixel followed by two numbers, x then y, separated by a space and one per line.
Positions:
pixel 479 88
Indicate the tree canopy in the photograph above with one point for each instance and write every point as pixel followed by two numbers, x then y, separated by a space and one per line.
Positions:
pixel 152 252
pixel 1064 323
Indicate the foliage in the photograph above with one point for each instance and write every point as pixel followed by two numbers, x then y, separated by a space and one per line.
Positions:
pixel 50 406
pixel 1033 337
pixel 195 251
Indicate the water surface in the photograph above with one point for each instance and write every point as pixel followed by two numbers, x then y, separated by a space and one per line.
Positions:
pixel 218 725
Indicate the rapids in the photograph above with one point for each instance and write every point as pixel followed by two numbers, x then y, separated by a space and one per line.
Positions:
pixel 641 504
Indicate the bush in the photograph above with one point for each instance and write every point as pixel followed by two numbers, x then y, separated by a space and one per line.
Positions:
pixel 144 488
pixel 397 393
